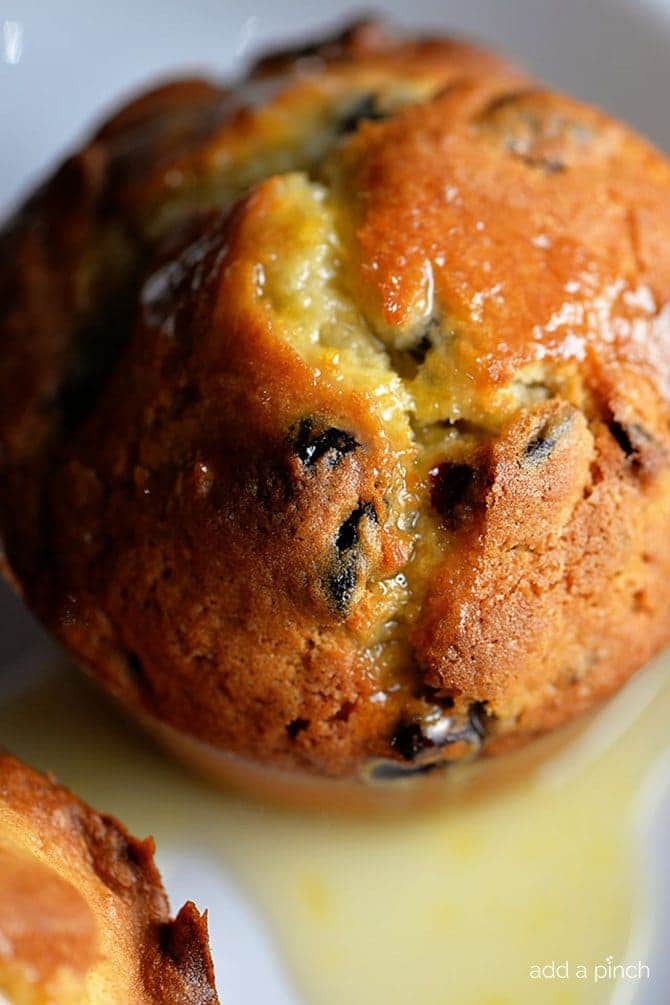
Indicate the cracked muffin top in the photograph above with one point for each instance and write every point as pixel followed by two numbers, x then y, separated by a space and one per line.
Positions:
pixel 334 418
pixel 84 919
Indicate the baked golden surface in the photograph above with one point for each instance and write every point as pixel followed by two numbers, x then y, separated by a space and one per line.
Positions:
pixel 334 406
pixel 84 919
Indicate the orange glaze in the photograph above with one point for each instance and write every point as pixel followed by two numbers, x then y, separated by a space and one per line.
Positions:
pixel 217 428
pixel 560 262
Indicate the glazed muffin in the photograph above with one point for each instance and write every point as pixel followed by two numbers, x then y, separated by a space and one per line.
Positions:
pixel 334 407
pixel 84 918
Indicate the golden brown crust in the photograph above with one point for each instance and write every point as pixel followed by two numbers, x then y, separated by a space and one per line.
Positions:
pixel 83 914
pixel 381 468
pixel 46 926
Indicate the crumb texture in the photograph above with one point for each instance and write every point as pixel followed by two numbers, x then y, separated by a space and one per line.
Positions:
pixel 334 406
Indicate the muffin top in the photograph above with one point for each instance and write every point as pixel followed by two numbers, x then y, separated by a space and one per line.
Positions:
pixel 84 918
pixel 334 405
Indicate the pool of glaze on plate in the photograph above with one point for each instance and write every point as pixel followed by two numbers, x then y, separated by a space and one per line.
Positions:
pixel 531 865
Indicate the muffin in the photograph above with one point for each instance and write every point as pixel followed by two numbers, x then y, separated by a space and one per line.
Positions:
pixel 334 412
pixel 84 918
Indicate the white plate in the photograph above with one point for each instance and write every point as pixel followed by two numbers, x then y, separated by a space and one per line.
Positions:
pixel 60 66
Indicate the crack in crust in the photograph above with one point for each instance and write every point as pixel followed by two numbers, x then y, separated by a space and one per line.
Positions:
pixel 392 417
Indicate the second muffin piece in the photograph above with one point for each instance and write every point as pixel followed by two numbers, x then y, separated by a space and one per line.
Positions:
pixel 84 919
